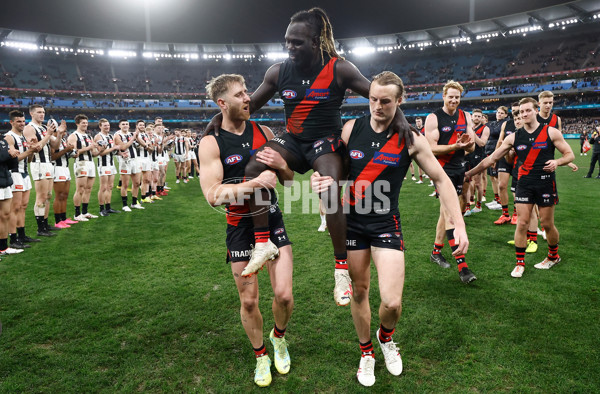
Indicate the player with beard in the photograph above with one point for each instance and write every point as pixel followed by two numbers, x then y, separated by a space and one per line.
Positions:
pixel 84 169
pixel 223 160
pixel 495 128
pixel 129 168
pixel 421 130
pixel 449 132
pixel 504 168
pixel 377 168
pixel 312 84
pixel 21 186
pixel 106 166
pixel 481 133
pixel 41 167
pixel 534 146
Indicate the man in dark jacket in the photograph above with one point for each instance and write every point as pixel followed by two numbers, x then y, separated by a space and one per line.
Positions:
pixel 595 142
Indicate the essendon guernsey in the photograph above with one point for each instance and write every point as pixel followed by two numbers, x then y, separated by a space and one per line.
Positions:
pixel 312 101
pixel 533 151
pixel 236 151
pixel 378 166
pixel 552 121
pixel 451 127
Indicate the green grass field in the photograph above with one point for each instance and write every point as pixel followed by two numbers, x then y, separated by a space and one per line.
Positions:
pixel 144 301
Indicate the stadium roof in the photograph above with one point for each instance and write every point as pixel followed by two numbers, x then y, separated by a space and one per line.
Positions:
pixel 555 17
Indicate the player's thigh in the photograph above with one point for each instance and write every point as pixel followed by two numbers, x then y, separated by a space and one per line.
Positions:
pixel 390 273
pixel 281 270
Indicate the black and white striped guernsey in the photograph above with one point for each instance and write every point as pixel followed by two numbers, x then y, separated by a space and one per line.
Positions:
pixel 107 160
pixel 62 161
pixel 179 146
pixel 43 156
pixel 21 145
pixel 83 140
pixel 126 137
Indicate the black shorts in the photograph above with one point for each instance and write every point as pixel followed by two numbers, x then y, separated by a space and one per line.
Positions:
pixel 306 152
pixel 458 178
pixel 473 159
pixel 382 232
pixel 540 190
pixel 504 166
pixel 240 239
pixel 515 178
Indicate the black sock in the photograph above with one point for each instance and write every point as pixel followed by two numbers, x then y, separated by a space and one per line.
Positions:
pixel 13 238
pixel 77 210
pixel 108 208
pixel 133 200
pixel 21 232
pixel 124 199
pixel 63 216
pixel 57 218
pixel 3 244
pixel 40 222
pixel 120 182
pixel 101 207
pixel 84 207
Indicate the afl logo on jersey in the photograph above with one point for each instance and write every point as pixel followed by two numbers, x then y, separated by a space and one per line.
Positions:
pixel 233 159
pixel 386 235
pixel 545 196
pixel 280 230
pixel 521 147
pixel 446 129
pixel 318 143
pixel 288 94
pixel 356 154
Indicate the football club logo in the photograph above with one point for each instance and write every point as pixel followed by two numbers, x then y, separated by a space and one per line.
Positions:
pixel 521 147
pixel 386 235
pixel 233 159
pixel 318 143
pixel 289 94
pixel 446 129
pixel 356 154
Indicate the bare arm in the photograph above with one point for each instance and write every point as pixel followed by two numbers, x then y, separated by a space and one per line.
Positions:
pixel 421 152
pixel 562 146
pixel 266 90
pixel 485 135
pixel 211 176
pixel 506 146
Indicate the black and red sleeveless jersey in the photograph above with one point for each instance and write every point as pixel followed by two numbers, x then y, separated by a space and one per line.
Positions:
pixel 552 121
pixel 533 151
pixel 377 169
pixel 312 101
pixel 421 130
pixel 235 153
pixel 478 151
pixel 451 127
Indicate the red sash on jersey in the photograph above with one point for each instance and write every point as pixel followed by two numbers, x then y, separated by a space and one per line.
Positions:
pixel 373 170
pixel 302 110
pixel 527 165
pixel 553 121
pixel 459 129
pixel 235 213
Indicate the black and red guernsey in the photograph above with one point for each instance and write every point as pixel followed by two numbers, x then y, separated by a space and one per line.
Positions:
pixel 311 100
pixel 552 121
pixel 479 150
pixel 533 151
pixel 451 127
pixel 377 166
pixel 235 153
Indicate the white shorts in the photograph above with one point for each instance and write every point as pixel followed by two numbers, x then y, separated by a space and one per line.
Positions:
pixel 191 155
pixel 179 158
pixel 154 166
pixel 161 161
pixel 85 168
pixel 167 158
pixel 62 174
pixel 129 166
pixel 20 183
pixel 41 171
pixel 107 170
pixel 5 193
pixel 145 163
